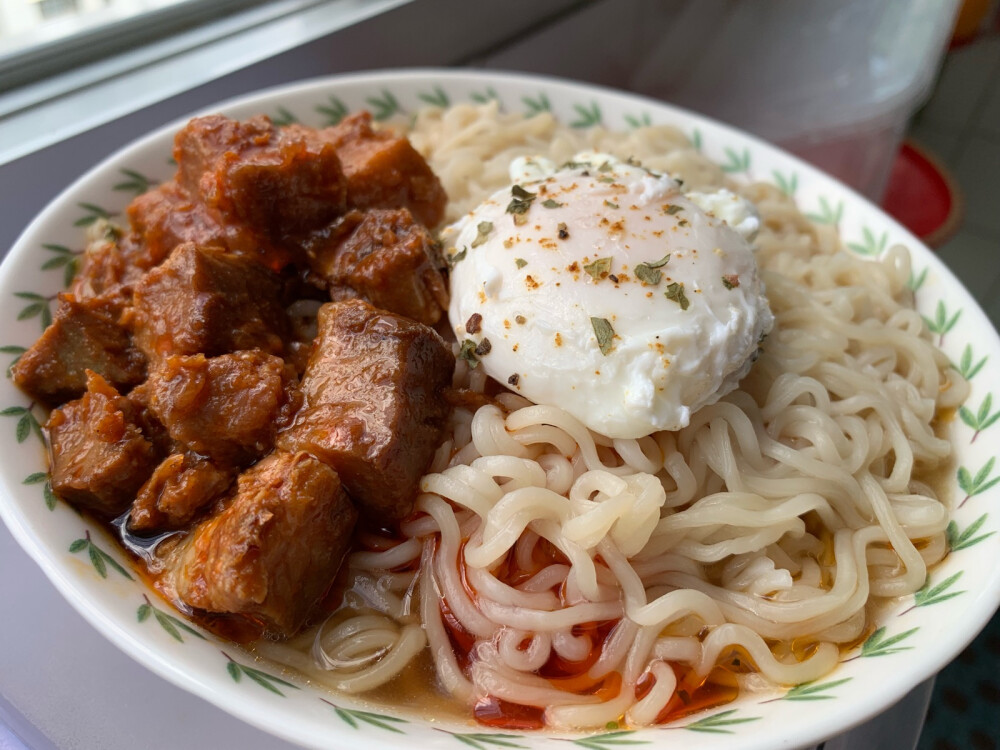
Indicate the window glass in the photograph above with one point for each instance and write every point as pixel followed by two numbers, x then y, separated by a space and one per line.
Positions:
pixel 28 23
pixel 42 38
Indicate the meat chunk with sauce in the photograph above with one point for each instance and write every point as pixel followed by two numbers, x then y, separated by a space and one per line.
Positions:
pixel 374 405
pixel 179 488
pixel 275 549
pixel 227 408
pixel 383 170
pixel 385 257
pixel 165 217
pixel 110 266
pixel 99 456
pixel 84 335
pixel 278 181
pixel 203 299
pixel 168 216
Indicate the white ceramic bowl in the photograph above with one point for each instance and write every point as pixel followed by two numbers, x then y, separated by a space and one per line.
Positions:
pixel 918 637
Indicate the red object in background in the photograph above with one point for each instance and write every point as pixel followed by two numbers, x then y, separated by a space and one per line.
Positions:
pixel 970 21
pixel 922 196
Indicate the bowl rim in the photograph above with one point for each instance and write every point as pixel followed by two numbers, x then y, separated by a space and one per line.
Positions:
pixel 895 684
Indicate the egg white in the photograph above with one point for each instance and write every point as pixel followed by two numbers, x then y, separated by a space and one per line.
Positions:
pixel 530 275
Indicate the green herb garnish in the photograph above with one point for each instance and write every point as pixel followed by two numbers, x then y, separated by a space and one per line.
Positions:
pixel 467 351
pixel 484 228
pixel 609 180
pixel 520 262
pixel 673 209
pixel 605 167
pixel 647 274
pixel 521 201
pixel 675 292
pixel 647 271
pixel 599 268
pixel 552 203
pixel 609 204
pixel 454 259
pixel 605 334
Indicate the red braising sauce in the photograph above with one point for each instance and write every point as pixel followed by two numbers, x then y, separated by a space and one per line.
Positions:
pixel 692 695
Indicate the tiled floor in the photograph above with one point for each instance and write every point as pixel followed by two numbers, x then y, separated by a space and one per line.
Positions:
pixel 961 125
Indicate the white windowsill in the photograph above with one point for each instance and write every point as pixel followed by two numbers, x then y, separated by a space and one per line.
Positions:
pixel 38 115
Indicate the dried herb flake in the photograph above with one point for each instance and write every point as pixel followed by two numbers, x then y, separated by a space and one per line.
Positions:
pixel 609 204
pixel 673 209
pixel 730 281
pixel 454 259
pixel 605 334
pixel 520 262
pixel 484 228
pixel 675 292
pixel 552 203
pixel 647 274
pixel 563 231
pixel 467 351
pixel 520 202
pixel 599 268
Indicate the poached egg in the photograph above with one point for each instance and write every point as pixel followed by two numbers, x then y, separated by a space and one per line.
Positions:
pixel 601 288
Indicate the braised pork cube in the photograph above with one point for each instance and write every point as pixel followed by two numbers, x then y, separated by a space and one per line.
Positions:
pixel 84 335
pixel 150 424
pixel 99 456
pixel 275 549
pixel 168 216
pixel 278 181
pixel 179 488
pixel 109 267
pixel 203 299
pixel 227 408
pixel 384 170
pixel 385 257
pixel 374 405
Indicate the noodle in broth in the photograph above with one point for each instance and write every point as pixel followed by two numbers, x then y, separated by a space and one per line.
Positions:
pixel 593 580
